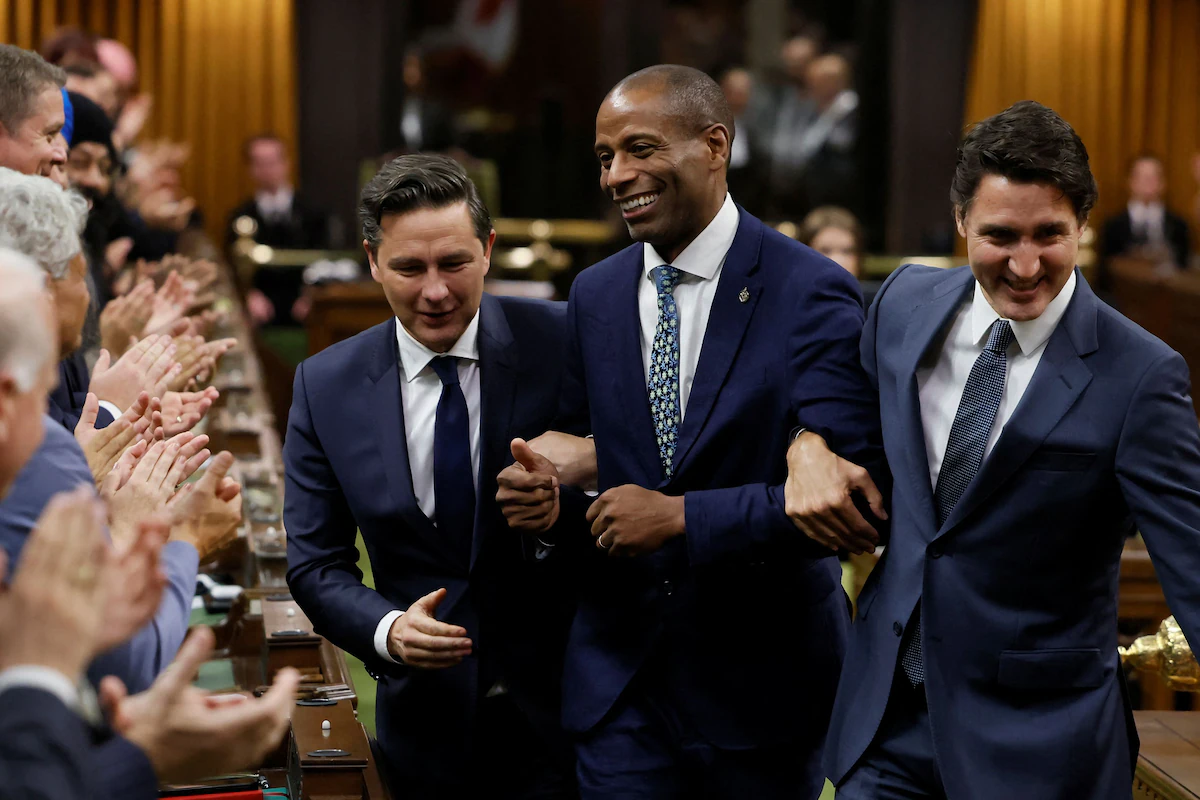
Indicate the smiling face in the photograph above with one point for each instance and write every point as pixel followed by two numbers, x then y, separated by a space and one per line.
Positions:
pixel 36 146
pixel 1022 241
pixel 668 182
pixel 431 264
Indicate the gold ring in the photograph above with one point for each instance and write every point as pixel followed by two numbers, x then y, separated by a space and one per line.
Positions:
pixel 86 572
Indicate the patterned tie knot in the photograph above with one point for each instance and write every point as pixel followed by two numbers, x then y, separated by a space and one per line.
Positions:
pixel 1000 337
pixel 446 368
pixel 665 278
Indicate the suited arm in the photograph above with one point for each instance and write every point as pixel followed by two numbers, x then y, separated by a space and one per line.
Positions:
pixel 45 743
pixel 1158 468
pixel 153 647
pixel 830 393
pixel 323 571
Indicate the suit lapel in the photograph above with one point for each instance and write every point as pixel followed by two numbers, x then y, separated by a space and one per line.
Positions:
pixel 1060 378
pixel 623 336
pixel 497 387
pixel 927 324
pixel 387 409
pixel 733 306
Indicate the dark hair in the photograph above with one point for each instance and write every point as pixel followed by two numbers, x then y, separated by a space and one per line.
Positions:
pixel 1028 143
pixel 420 180
pixel 692 97
pixel 83 69
pixel 26 75
pixel 248 145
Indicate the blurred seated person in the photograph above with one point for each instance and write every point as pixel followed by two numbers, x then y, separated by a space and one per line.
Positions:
pixel 95 83
pixel 747 156
pixel 836 234
pixel 425 124
pixel 1146 228
pixel 284 221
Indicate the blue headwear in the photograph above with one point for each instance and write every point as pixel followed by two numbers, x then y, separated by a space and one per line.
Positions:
pixel 68 129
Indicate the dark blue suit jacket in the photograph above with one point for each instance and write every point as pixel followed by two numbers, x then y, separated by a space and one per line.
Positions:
pixel 1018 588
pixel 68 397
pixel 346 465
pixel 743 617
pixel 49 753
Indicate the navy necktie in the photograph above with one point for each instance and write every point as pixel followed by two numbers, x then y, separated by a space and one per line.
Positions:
pixel 965 449
pixel 453 476
pixel 663 385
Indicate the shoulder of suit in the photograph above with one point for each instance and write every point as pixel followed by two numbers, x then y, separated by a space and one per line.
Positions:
pixel 1118 333
pixel 532 309
pixel 349 354
pixel 602 270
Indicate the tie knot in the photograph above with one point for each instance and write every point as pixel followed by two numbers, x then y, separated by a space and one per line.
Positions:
pixel 665 278
pixel 1000 336
pixel 446 368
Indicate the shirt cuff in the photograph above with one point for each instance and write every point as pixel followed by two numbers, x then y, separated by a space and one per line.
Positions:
pixel 381 636
pixel 34 676
pixel 112 409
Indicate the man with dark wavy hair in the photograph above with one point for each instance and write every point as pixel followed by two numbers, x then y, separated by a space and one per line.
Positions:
pixel 1030 428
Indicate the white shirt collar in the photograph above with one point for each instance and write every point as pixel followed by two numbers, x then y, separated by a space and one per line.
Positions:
pixel 704 256
pixel 1139 210
pixel 415 357
pixel 1030 334
pixel 281 198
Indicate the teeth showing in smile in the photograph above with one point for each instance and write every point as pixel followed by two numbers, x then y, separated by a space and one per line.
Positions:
pixel 638 202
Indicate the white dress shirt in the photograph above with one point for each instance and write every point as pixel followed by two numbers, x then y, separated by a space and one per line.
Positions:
pixel 942 374
pixel 35 676
pixel 700 266
pixel 1148 220
pixel 420 390
pixel 276 205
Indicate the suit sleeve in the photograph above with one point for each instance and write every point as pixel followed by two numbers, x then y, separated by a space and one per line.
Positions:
pixel 45 751
pixel 1158 468
pixel 574 416
pixel 829 393
pixel 323 571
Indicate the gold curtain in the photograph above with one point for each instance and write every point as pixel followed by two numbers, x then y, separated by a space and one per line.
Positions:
pixel 1124 73
pixel 219 71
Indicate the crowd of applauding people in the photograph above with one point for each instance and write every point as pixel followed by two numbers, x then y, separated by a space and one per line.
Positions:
pixel 603 533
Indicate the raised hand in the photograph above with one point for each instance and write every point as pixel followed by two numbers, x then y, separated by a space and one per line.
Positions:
pixel 123 320
pixel 134 584
pixel 182 410
pixel 528 490
pixel 104 447
pixel 171 303
pixel 148 366
pixel 419 640
pixel 819 496
pixel 208 512
pixel 50 614
pixel 183 734
pixel 152 482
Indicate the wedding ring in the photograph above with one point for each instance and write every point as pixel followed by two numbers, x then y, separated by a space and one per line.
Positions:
pixel 600 541
pixel 179 419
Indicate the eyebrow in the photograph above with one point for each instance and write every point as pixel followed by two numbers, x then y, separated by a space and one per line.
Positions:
pixel 631 138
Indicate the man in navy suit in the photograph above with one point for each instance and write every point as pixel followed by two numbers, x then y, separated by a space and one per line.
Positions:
pixel 709 636
pixel 1030 429
pixel 400 432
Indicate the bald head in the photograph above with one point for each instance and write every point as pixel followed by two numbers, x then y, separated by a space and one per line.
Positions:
pixel 690 97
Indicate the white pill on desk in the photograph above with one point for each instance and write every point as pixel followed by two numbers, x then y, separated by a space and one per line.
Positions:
pixel 325 725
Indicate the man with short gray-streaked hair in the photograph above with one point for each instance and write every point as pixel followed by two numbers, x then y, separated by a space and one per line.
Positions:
pixel 32 114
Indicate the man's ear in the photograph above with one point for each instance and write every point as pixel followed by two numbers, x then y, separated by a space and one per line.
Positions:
pixel 487 251
pixel 719 143
pixel 960 222
pixel 371 260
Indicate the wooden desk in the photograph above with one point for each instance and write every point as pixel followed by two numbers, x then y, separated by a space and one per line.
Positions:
pixel 1168 766
pixel 340 310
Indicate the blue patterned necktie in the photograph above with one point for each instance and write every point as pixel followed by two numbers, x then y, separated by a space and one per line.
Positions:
pixel 965 449
pixel 453 476
pixel 663 384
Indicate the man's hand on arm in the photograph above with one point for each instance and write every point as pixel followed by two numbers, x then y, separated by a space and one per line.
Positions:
pixel 819 496
pixel 573 456
pixel 632 521
pixel 419 640
pixel 528 490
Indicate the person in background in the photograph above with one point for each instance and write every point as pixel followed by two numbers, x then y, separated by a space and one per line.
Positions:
pixel 748 157
pixel 284 220
pixel 836 234
pixel 1146 227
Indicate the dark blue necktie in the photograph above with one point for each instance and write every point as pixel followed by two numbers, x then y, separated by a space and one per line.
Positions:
pixel 965 449
pixel 453 477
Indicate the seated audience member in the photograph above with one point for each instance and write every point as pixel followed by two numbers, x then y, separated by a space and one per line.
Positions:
pixel 92 165
pixel 1146 227
pixel 32 113
pixel 836 234
pixel 747 155
pixel 91 80
pixel 44 222
pixel 284 220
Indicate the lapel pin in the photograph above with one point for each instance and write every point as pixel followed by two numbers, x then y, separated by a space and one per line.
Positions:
pixel 744 295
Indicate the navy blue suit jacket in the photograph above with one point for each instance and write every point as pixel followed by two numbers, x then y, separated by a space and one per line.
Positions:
pixel 743 617
pixel 1018 588
pixel 346 465
pixel 49 753
pixel 68 397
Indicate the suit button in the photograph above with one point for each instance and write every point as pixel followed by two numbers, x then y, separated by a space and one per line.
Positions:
pixel 668 588
pixel 897 628
pixel 937 551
